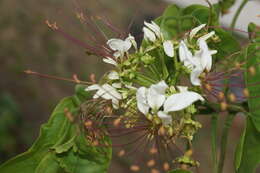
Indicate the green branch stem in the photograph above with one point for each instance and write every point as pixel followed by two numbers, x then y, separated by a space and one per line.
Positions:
pixel 214 127
pixel 224 141
pixel 240 8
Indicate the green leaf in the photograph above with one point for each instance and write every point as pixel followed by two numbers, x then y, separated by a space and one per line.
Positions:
pixel 239 150
pixel 64 147
pixel 249 155
pixel 252 76
pixel 227 46
pixel 48 165
pixel 225 5
pixel 60 145
pixel 179 171
pixel 176 21
pixel 254 32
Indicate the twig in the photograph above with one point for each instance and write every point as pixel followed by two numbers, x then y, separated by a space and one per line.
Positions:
pixel 74 80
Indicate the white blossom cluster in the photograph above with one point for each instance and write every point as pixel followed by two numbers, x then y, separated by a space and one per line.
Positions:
pixel 154 99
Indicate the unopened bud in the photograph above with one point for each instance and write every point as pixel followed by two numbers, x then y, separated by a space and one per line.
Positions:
pixel 134 168
pixel 246 92
pixel 149 117
pixel 88 123
pixel 92 77
pixel 153 150
pixel 68 114
pixel 189 153
pixel 166 166
pixel 221 96
pixel 155 171
pixel 95 143
pixel 208 87
pixel 121 153
pixel 161 131
pixel 237 65
pixel 117 122
pixel 252 70
pixel 223 106
pixel 151 163
pixel 157 120
pixel 170 131
pixel 109 110
pixel 232 97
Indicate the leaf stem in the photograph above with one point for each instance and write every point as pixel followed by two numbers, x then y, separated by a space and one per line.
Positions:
pixel 210 14
pixel 214 125
pixel 224 141
pixel 240 8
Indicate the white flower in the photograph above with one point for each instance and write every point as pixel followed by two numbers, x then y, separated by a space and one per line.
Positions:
pixel 106 92
pixel 149 35
pixel 186 56
pixel 154 27
pixel 168 48
pixel 202 60
pixel 156 91
pixel 113 75
pixel 152 31
pixel 142 103
pixel 154 98
pixel 195 30
pixel 132 40
pixel 121 46
pixel 204 57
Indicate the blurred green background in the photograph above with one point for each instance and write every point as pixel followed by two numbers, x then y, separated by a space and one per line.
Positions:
pixel 27 43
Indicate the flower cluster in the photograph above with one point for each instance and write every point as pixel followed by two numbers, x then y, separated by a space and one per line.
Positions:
pixel 192 59
pixel 161 81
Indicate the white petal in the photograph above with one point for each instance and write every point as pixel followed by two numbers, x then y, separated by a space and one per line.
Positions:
pixel 206 58
pixel 179 101
pixel 156 95
pixel 115 103
pixel 182 54
pixel 168 48
pixel 212 52
pixel 149 35
pixel 155 99
pixel 130 87
pixel 160 87
pixel 207 36
pixel 186 55
pixel 110 61
pixel 182 88
pixel 127 45
pixel 194 76
pixel 117 85
pixel 166 119
pixel 196 30
pixel 111 91
pixel 153 27
pixel 118 54
pixel 92 87
pixel 141 97
pixel 113 75
pixel 132 40
pixel 116 44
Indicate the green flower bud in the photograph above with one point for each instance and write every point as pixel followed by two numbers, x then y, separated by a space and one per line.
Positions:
pixel 147 59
